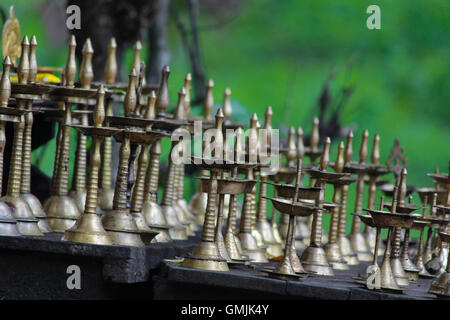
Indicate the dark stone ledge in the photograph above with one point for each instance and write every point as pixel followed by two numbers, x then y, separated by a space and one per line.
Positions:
pixel 178 282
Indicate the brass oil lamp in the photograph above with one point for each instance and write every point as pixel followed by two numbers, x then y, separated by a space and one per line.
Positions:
pixel 231 240
pixel 357 241
pixel 314 258
pixel 62 211
pixel 442 210
pixel 374 171
pixel 287 174
pixel 384 279
pixel 332 249
pixel 286 270
pixel 118 222
pixel 106 194
pixel 206 254
pixel 344 243
pixel 411 270
pixel 305 196
pixel 199 199
pixel 396 261
pixel 31 91
pixel 180 204
pixel 78 192
pixel 8 224
pixel 313 152
pixel 27 224
pixel 274 249
pixel 151 210
pixel 441 287
pixel 372 279
pixel 89 228
pixel 420 225
pixel 129 226
pixel 180 227
pixel 303 231
pixel 248 242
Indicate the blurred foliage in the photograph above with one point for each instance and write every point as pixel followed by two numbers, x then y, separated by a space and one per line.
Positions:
pixel 279 53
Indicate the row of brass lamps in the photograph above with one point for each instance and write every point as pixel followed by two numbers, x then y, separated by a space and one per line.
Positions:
pixel 231 233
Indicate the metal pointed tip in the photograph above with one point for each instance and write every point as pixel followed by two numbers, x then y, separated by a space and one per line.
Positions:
pixel 101 90
pixel 366 133
pixel 328 140
pixel 254 117
pixel 166 69
pixel 6 61
pixel 182 91
pixel 239 131
pixel 11 11
pixel 112 43
pixel 72 41
pixel 133 72
pixel 258 125
pixel 210 83
pixel 25 41
pixel 269 110
pixel 219 113
pixel 300 131
pixel 404 171
pixel 33 41
pixel 341 145
pixel 138 45
pixel 377 137
pixel 292 130
pixel 228 91
pixel 88 46
pixel 153 94
pixel 350 134
pixel 188 76
pixel 316 120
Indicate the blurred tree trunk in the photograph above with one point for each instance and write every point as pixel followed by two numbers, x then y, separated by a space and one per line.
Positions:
pixel 157 38
pixel 196 64
pixel 192 47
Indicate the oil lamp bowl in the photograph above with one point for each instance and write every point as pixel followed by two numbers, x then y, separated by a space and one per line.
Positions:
pixel 288 191
pixel 403 208
pixel 440 178
pixel 325 176
pixel 300 209
pixel 386 219
pixel 366 219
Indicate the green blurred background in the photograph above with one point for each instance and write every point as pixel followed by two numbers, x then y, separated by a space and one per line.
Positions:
pixel 280 53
